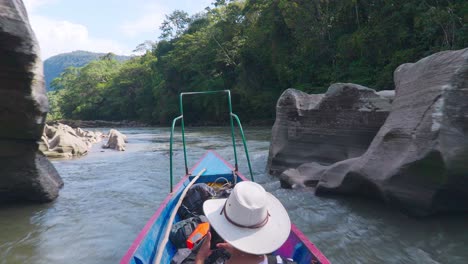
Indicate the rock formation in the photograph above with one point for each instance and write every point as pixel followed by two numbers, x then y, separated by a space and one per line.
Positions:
pixel 116 140
pixel 418 159
pixel 25 174
pixel 62 141
pixel 325 128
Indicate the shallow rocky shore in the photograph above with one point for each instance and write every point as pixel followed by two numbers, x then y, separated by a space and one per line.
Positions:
pixel 99 123
pixel 62 141
pixel 417 159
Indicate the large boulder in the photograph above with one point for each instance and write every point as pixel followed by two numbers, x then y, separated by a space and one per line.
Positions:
pixel 66 143
pixel 88 136
pixel 25 174
pixel 418 160
pixel 62 141
pixel 325 128
pixel 116 140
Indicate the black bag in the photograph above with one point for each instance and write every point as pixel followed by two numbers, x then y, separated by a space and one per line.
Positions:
pixel 192 205
pixel 182 230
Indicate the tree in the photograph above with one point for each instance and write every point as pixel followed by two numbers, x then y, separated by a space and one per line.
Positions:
pixel 258 48
pixel 174 24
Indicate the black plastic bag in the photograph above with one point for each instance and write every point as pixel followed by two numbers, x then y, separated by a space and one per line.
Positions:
pixel 192 205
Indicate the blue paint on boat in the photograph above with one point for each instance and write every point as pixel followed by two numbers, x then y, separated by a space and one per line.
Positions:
pixel 144 249
pixel 214 165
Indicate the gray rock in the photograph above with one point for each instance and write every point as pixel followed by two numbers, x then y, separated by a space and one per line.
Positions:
pixel 307 174
pixel 62 141
pixel 25 174
pixel 324 128
pixel 418 160
pixel 68 143
pixel 116 140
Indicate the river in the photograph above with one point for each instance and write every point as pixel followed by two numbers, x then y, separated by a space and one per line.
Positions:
pixel 108 197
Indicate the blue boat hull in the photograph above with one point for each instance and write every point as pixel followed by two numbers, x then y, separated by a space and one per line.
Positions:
pixel 145 246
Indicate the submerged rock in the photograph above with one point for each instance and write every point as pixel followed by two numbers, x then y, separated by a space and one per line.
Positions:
pixel 325 128
pixel 25 174
pixel 116 140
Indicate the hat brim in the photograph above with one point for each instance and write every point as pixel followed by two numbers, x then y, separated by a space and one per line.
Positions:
pixel 257 241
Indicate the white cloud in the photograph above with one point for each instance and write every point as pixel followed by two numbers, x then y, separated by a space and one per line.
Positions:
pixel 57 37
pixel 149 22
pixel 153 14
pixel 32 5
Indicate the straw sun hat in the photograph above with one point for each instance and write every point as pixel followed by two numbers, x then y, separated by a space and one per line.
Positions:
pixel 251 219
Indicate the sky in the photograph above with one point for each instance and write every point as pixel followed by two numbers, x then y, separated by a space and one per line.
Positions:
pixel 116 26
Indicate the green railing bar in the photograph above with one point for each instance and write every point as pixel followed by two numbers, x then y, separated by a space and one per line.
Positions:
pixel 170 148
pixel 232 115
pixel 183 131
pixel 236 166
pixel 206 92
pixel 245 144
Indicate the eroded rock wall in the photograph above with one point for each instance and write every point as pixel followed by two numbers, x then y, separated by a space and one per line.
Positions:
pixel 325 128
pixel 25 174
pixel 419 159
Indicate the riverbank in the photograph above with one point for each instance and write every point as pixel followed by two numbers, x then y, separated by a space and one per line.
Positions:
pixel 98 123
pixel 128 123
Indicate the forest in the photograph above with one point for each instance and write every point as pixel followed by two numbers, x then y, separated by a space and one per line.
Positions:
pixel 257 49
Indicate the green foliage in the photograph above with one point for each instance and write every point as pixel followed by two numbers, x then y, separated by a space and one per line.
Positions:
pixel 174 24
pixel 55 65
pixel 55 112
pixel 258 48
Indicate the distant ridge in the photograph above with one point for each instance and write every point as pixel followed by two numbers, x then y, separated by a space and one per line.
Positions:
pixel 55 65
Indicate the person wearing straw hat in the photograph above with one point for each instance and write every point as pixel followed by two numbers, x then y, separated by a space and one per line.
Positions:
pixel 251 221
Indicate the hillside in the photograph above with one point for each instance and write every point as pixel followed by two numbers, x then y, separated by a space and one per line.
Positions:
pixel 258 49
pixel 55 65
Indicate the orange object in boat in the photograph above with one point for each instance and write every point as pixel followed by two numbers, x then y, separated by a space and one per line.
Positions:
pixel 198 234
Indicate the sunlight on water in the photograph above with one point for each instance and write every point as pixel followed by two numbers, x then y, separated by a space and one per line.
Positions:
pixel 109 196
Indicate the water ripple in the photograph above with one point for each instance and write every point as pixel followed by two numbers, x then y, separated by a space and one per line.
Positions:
pixel 109 196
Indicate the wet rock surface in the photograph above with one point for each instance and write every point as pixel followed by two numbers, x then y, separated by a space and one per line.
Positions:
pixel 418 159
pixel 325 128
pixel 25 174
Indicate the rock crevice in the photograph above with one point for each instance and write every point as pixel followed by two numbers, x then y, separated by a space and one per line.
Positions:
pixel 325 128
pixel 418 159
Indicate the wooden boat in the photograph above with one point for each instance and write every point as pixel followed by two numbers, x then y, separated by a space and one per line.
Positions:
pixel 148 242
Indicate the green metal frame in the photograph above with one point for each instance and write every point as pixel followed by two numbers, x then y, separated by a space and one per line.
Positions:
pixel 232 116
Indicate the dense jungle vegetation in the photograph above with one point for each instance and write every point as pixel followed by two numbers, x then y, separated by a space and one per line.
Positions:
pixel 55 65
pixel 257 49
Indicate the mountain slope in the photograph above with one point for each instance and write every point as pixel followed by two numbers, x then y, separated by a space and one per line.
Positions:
pixel 55 65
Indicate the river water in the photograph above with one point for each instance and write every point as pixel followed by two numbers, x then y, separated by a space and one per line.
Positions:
pixel 109 196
